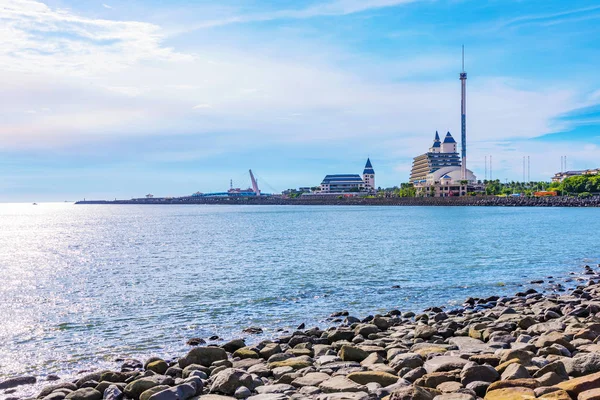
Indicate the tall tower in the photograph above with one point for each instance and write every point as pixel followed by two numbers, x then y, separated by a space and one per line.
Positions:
pixel 369 175
pixel 463 117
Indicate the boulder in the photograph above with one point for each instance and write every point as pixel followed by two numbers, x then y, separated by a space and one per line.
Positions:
pixel 444 363
pixel 49 389
pixel 148 393
pixel 424 331
pixel 275 388
pixel 515 393
pixel 18 381
pixel 473 373
pixel 526 383
pixel 269 350
pixel 203 355
pixel 137 387
pixel 311 379
pixel 230 379
pixel 351 353
pixel 344 396
pixel 113 393
pixel 84 394
pixel 233 345
pixel 515 371
pixel 413 393
pixel 180 392
pixel 242 393
pixel 341 384
pixel 158 366
pixel 294 362
pixel 581 384
pixel 382 378
pixel 245 352
pixel 582 364
pixel 410 360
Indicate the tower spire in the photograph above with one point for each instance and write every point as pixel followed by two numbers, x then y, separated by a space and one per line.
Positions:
pixel 463 117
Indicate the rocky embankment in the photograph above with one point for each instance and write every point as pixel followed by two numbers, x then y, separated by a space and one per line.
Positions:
pixel 530 345
pixel 482 201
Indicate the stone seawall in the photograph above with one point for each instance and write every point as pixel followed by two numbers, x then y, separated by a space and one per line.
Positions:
pixel 392 201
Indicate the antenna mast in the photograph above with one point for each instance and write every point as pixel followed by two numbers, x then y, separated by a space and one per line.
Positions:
pixel 463 116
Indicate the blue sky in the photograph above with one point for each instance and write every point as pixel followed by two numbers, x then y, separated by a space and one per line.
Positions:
pixel 104 99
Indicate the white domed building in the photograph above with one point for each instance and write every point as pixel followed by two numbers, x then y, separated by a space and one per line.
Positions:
pixel 438 173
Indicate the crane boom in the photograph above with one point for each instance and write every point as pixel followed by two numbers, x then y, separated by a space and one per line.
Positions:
pixel 254 184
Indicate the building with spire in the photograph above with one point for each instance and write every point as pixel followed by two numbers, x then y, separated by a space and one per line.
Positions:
pixel 344 183
pixel 369 176
pixel 438 172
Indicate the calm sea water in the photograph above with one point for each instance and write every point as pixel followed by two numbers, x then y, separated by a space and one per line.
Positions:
pixel 83 285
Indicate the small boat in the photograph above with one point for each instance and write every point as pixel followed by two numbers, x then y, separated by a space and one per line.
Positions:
pixel 35 204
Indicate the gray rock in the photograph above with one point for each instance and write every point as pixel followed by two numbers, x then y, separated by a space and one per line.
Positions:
pixel 444 363
pixel 414 374
pixel 84 394
pixel 230 379
pixel 275 388
pixel 18 381
pixel 515 371
pixel 180 392
pixel 242 393
pixel 137 387
pixel 470 345
pixel 344 396
pixel 424 331
pixel 473 373
pixel 56 396
pixel 310 379
pixel 113 393
pixel 410 360
pixel 479 387
pixel 341 384
pixel 269 396
pixel 203 355
pixel 582 364
pixel 49 389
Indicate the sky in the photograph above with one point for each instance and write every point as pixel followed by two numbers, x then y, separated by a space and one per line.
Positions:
pixel 120 98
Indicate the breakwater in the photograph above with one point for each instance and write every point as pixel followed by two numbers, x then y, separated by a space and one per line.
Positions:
pixel 480 201
pixel 533 344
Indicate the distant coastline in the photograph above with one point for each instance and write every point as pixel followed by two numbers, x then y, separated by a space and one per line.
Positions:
pixel 483 201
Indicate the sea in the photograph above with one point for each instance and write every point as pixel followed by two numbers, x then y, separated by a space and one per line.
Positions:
pixel 82 286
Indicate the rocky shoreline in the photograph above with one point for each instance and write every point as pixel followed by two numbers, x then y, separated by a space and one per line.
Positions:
pixel 473 201
pixel 526 346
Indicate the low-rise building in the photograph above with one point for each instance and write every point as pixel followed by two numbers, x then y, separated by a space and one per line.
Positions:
pixel 561 176
pixel 341 183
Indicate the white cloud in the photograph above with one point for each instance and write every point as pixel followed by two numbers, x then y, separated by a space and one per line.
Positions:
pixel 107 6
pixel 104 78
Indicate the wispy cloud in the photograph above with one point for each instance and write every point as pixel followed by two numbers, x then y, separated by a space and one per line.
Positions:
pixel 107 6
pixel 554 18
pixel 335 8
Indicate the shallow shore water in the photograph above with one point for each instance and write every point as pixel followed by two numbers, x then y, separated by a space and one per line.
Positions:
pixel 534 344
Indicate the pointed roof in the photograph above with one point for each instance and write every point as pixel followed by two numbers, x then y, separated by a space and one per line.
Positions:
pixel 368 168
pixel 449 138
pixel 436 141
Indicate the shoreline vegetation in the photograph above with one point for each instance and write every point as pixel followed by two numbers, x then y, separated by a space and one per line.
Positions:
pixel 481 201
pixel 530 345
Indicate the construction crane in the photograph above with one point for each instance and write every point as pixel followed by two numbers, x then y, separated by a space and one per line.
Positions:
pixel 254 183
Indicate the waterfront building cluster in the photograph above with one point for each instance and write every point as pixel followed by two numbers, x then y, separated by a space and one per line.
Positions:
pixel 561 176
